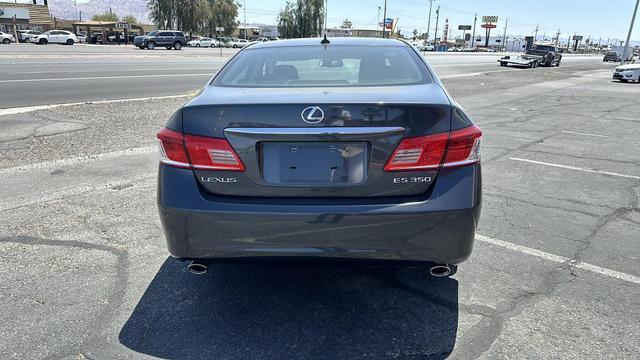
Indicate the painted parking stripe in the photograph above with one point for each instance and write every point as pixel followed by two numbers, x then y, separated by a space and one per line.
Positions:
pixel 593 171
pixel 585 134
pixel 105 77
pixel 26 109
pixel 560 259
pixel 78 160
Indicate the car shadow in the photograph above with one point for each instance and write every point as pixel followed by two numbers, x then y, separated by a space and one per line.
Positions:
pixel 321 311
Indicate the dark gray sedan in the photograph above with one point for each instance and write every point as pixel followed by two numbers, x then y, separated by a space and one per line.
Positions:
pixel 348 149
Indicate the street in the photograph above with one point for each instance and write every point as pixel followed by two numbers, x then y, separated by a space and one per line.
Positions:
pixel 555 271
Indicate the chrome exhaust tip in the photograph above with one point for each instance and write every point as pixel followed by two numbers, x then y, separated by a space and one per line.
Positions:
pixel 197 268
pixel 440 270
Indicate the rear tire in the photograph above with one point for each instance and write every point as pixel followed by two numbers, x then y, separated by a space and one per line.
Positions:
pixel 6 41
pixel 178 45
pixel 151 45
pixel 197 45
pixel 69 42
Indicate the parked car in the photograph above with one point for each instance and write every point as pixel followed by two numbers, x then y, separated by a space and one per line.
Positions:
pixel 167 38
pixel 96 38
pixel 81 38
pixel 611 56
pixel 203 42
pixel 6 38
pixel 223 40
pixel 25 35
pixel 628 72
pixel 282 162
pixel 237 43
pixel 55 37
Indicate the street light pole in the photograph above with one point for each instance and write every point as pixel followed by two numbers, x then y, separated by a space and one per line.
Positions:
pixel 244 7
pixel 429 22
pixel 473 37
pixel 435 35
pixel 626 44
pixel 384 19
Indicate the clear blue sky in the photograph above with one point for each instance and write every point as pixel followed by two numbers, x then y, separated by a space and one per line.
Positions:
pixel 608 18
pixel 586 17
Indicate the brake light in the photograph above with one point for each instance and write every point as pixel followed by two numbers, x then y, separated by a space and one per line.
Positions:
pixel 197 152
pixel 458 148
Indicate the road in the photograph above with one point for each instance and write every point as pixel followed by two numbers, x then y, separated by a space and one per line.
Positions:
pixel 36 75
pixel 555 272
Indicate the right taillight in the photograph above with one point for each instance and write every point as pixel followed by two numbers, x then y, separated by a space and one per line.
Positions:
pixel 458 148
pixel 197 152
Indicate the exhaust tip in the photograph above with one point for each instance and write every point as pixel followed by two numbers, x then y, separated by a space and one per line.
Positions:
pixel 440 270
pixel 197 268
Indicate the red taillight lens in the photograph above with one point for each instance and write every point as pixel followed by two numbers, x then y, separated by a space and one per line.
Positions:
pixel 212 154
pixel 171 148
pixel 464 147
pixel 460 147
pixel 197 152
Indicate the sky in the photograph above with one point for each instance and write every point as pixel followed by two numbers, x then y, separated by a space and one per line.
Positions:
pixel 605 19
pixel 590 18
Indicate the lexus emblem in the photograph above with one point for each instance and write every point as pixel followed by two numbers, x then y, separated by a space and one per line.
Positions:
pixel 312 114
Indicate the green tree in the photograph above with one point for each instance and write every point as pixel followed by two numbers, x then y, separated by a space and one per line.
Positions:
pixel 107 16
pixel 129 19
pixel 415 34
pixel 223 13
pixel 303 18
pixel 162 12
pixel 346 24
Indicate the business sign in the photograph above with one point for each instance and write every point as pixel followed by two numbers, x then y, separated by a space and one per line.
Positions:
pixel 219 28
pixel 10 12
pixel 489 19
pixel 464 27
pixel 388 23
pixel 488 26
pixel 467 37
pixel 122 25
pixel 577 37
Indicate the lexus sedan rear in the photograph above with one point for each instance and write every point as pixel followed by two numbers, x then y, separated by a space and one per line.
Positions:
pixel 297 148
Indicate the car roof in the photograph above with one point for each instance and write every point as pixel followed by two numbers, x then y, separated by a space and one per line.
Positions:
pixel 333 41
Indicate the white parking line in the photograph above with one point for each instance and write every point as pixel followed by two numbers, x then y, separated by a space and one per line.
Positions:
pixel 593 171
pixel 585 134
pixel 104 77
pixel 560 259
pixel 78 160
pixel 26 109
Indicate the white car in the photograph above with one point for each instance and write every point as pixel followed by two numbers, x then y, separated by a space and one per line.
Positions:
pixel 6 38
pixel 627 72
pixel 55 37
pixel 203 42
pixel 25 35
pixel 238 43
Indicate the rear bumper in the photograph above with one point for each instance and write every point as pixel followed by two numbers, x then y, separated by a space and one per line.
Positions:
pixel 439 227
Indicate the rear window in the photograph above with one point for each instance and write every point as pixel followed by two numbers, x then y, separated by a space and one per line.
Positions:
pixel 338 65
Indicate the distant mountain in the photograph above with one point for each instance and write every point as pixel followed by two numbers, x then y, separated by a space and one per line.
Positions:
pixel 63 9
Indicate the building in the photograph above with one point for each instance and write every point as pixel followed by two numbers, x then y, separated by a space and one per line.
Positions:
pixel 370 33
pixel 27 16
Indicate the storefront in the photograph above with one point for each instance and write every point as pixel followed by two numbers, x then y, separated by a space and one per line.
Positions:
pixel 24 16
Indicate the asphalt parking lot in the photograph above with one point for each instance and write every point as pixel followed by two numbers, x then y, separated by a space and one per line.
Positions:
pixel 555 271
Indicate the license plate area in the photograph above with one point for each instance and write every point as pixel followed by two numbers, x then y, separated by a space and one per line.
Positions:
pixel 314 163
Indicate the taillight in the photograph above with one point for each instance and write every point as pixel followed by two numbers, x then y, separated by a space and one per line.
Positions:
pixel 197 152
pixel 458 148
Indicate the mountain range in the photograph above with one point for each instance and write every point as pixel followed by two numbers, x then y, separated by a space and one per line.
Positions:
pixel 64 9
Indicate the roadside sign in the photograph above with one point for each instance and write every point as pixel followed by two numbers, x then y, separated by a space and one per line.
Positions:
pixel 467 37
pixel 489 19
pixel 577 37
pixel 488 26
pixel 464 27
pixel 122 25
pixel 219 28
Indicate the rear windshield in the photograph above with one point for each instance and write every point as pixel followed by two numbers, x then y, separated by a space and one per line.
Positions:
pixel 337 65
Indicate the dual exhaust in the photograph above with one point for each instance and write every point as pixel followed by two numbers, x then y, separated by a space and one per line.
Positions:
pixel 438 270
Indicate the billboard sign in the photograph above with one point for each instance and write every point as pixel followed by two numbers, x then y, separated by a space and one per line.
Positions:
pixel 464 27
pixel 10 12
pixel 577 37
pixel 489 19
pixel 122 25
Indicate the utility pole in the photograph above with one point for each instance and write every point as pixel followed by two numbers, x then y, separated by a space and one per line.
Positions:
pixel 379 8
pixel 244 8
pixel 558 38
pixel 435 35
pixel 429 21
pixel 535 37
pixel 473 37
pixel 326 16
pixel 384 19
pixel 504 35
pixel 626 44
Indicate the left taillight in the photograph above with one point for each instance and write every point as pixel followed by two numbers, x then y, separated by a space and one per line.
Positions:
pixel 197 152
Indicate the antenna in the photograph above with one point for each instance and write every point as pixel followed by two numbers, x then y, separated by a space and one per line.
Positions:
pixel 325 41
